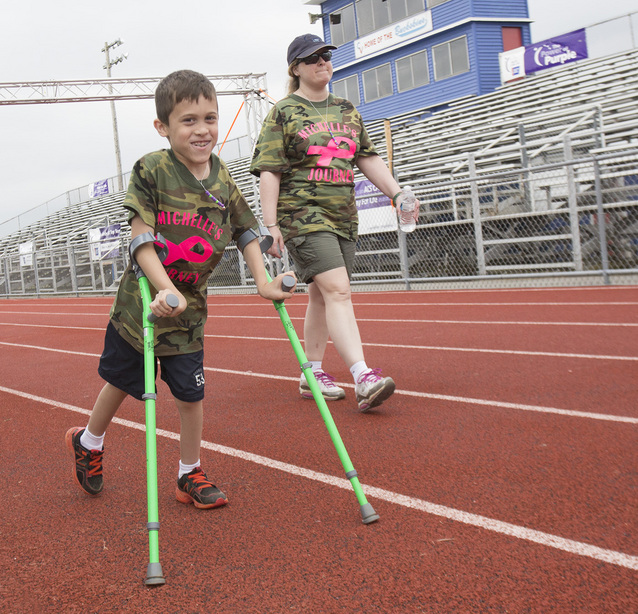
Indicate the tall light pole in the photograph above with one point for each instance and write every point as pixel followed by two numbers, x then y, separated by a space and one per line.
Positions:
pixel 107 66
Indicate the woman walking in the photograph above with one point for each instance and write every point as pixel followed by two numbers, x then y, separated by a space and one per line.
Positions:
pixel 305 159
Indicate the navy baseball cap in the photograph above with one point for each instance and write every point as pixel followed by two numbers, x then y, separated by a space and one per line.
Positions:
pixel 305 45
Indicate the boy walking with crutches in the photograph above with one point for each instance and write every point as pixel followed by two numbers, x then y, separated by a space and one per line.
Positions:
pixel 185 193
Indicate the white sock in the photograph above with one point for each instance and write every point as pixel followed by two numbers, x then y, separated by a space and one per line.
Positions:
pixel 184 468
pixel 315 365
pixel 358 369
pixel 90 442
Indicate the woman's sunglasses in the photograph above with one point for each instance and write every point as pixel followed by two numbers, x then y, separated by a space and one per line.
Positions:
pixel 326 56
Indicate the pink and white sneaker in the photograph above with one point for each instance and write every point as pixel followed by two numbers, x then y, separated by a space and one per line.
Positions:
pixel 372 389
pixel 329 390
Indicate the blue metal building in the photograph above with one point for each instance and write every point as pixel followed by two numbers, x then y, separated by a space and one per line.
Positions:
pixel 397 56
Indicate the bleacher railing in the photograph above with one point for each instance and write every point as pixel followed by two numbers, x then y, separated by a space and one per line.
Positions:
pixel 73 197
pixel 235 148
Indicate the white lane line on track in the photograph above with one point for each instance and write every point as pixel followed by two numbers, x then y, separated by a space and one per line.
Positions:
pixel 442 304
pixel 501 304
pixel 59 351
pixel 390 320
pixel 400 346
pixel 66 314
pixel 220 304
pixel 447 349
pixel 425 395
pixel 11 324
pixel 606 290
pixel 497 526
pixel 454 399
pixel 472 322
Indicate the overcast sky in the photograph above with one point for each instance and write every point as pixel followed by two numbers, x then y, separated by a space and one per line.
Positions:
pixel 50 149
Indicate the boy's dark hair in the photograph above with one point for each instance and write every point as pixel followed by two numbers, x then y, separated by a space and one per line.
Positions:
pixel 181 85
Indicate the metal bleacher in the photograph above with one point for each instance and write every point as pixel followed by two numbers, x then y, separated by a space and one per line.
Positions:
pixel 589 107
pixel 595 102
pixel 69 225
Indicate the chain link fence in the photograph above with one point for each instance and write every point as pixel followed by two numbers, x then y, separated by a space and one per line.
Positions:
pixel 577 216
pixel 572 218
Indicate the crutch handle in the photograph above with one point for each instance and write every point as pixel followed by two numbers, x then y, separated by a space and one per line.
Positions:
pixel 172 301
pixel 287 283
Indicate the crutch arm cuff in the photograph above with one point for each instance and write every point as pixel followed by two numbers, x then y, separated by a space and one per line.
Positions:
pixel 245 238
pixel 147 237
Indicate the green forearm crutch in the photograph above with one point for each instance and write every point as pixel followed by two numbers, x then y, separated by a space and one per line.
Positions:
pixel 367 511
pixel 154 575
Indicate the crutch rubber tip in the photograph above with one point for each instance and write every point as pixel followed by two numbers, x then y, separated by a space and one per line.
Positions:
pixel 368 514
pixel 154 575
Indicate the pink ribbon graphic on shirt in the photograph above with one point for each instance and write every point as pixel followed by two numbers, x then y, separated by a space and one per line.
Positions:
pixel 332 150
pixel 185 250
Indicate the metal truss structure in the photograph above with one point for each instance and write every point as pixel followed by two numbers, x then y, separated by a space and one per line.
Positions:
pixel 47 92
pixel 252 87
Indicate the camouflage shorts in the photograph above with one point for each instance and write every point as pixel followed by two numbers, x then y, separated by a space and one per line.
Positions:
pixel 318 252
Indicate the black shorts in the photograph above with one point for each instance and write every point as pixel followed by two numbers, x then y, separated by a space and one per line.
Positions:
pixel 122 366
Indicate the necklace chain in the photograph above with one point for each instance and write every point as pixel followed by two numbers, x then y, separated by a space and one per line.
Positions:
pixel 318 112
pixel 215 200
pixel 325 119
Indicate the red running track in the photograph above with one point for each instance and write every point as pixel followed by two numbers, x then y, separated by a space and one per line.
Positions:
pixel 503 468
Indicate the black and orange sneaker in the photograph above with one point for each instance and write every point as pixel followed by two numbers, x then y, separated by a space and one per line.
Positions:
pixel 87 464
pixel 196 488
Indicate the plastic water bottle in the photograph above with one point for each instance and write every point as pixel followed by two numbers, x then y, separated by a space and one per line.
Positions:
pixel 407 223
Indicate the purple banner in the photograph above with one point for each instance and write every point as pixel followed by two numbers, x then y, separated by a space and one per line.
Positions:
pixel 368 195
pixel 110 233
pixel 556 51
pixel 99 188
pixel 105 242
pixel 373 209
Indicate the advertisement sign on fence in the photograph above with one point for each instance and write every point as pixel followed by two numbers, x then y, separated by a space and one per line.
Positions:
pixel 376 213
pixel 105 242
pixel 26 253
pixel 556 51
pixel 99 188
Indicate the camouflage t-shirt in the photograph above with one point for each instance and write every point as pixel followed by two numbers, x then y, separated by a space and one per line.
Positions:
pixel 164 193
pixel 315 148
